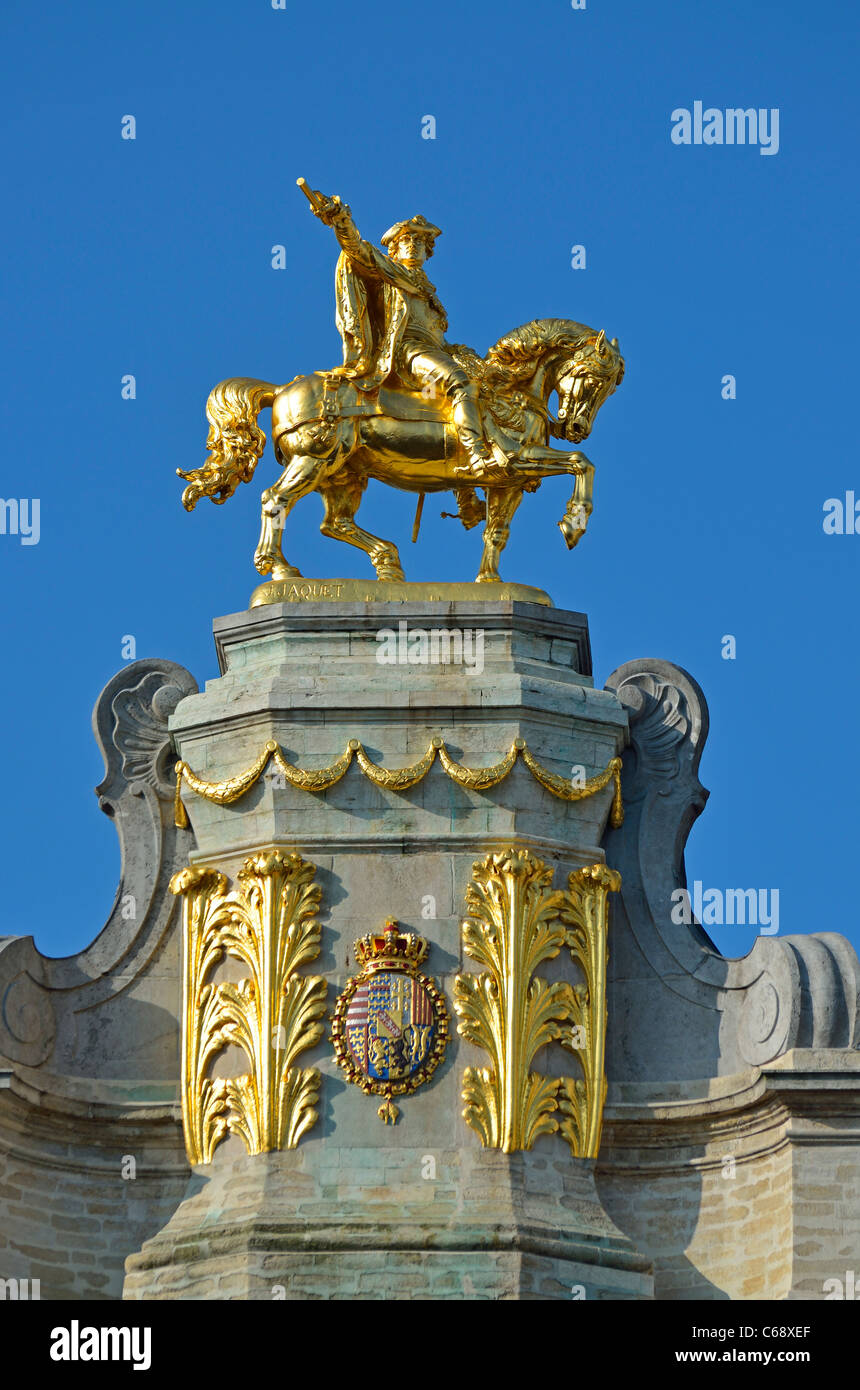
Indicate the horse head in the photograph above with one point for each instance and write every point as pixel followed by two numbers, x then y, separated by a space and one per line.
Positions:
pixel 584 381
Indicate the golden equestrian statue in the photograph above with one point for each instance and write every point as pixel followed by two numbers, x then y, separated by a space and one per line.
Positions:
pixel 411 409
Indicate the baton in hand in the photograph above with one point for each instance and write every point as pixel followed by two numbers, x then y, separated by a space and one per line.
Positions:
pixel 317 200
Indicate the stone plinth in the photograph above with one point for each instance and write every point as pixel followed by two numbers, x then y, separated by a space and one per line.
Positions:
pixel 309 677
pixel 418 1209
pixel 390 1221
pixel 732 1121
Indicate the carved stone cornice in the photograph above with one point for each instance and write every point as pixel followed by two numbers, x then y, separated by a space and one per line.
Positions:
pixel 39 1122
pixel 808 1096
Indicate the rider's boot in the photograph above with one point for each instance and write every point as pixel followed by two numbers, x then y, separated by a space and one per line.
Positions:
pixel 467 422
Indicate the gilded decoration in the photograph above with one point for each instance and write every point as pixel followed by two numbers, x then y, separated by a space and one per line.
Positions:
pixel 225 792
pixel 516 923
pixel 391 591
pixel 390 1025
pixel 268 924
pixel 411 409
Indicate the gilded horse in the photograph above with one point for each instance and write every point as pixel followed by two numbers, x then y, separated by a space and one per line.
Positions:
pixel 332 438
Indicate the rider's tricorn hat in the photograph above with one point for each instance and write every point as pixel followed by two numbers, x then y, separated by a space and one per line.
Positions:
pixel 413 224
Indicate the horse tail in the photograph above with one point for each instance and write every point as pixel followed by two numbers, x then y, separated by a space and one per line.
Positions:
pixel 235 440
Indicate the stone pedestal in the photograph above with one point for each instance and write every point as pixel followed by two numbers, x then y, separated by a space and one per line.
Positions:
pixel 387 1220
pixel 727 1161
pixel 418 1209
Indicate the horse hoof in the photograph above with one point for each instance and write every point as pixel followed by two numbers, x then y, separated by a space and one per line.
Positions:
pixel 390 572
pixel 488 579
pixel 286 572
pixel 573 531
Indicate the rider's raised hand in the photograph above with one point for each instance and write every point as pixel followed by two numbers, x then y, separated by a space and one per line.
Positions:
pixel 332 210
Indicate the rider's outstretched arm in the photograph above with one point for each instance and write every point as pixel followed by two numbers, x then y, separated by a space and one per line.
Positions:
pixel 335 214
pixel 351 241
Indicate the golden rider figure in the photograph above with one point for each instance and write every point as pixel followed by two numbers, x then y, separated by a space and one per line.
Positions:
pixel 391 320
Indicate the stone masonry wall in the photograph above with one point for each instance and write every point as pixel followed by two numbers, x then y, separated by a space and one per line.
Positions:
pixel 328 1221
pixel 69 1218
pixel 712 1231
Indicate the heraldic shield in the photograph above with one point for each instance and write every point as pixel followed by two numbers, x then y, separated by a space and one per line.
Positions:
pixel 390 1026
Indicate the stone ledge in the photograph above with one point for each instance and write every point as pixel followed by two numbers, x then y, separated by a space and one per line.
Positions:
pixel 323 619
pixel 371 1235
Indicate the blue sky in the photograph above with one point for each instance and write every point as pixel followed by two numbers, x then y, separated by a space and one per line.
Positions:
pixel 153 257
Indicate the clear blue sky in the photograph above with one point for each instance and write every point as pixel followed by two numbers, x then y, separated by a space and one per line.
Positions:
pixel 153 257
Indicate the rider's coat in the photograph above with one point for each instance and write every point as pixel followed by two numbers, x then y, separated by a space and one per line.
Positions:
pixel 382 306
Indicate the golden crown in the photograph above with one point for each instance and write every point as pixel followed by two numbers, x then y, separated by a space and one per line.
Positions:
pixel 394 949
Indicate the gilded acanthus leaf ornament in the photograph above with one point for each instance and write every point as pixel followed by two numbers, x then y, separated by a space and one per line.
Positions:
pixel 411 409
pixel 584 914
pixel 512 928
pixel 268 924
pixel 516 923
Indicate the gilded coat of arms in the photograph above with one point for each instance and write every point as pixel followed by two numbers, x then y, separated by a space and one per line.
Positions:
pixel 390 1025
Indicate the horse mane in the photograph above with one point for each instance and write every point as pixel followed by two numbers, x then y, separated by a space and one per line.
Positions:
pixel 516 353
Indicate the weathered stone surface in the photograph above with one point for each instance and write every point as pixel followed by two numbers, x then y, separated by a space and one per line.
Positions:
pixel 310 678
pixel 111 1010
pixel 728 1162
pixel 82 1181
pixel 742 1186
pixel 344 1222
pixel 89 1044
pixel 679 1008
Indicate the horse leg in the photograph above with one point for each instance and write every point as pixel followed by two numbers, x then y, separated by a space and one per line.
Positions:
pixel 502 502
pixel 298 479
pixel 341 504
pixel 579 508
